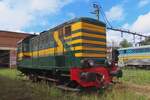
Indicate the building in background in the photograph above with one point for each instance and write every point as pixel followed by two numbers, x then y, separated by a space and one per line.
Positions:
pixel 8 47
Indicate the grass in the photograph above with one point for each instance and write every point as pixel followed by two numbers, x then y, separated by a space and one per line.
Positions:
pixel 10 73
pixel 14 88
pixel 136 76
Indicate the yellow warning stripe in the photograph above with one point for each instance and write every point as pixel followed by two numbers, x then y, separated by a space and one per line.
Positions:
pixel 136 57
pixel 90 55
pixel 92 26
pixel 50 51
pixel 87 48
pixel 86 41
pixel 84 34
pixel 87 26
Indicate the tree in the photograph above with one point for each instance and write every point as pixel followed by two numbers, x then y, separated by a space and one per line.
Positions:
pixel 124 44
pixel 145 42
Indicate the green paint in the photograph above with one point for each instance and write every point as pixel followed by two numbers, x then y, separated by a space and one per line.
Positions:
pixel 65 60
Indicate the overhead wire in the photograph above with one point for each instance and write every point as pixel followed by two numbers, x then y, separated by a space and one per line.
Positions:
pixel 105 18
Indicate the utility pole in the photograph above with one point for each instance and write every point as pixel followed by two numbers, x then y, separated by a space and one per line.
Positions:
pixel 96 11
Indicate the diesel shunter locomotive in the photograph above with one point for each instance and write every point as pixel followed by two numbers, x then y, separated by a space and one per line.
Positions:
pixel 73 55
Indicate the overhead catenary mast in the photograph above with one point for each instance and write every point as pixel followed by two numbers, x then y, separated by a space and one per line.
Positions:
pixel 96 11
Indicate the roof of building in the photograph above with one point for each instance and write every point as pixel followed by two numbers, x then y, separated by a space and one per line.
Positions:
pixel 9 39
pixel 12 34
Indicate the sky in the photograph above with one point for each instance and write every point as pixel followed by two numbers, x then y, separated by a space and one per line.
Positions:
pixel 34 16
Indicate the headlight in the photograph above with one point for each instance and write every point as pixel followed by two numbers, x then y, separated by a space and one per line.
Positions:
pixel 91 62
pixel 116 64
pixel 86 63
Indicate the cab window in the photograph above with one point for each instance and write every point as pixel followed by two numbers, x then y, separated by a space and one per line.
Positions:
pixel 68 30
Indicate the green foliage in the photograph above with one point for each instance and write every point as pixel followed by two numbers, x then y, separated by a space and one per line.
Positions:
pixel 146 42
pixel 124 44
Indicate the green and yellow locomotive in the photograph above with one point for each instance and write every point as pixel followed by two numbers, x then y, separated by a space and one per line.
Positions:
pixel 73 53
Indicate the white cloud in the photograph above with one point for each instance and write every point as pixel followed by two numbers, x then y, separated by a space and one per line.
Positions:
pixel 142 24
pixel 113 36
pixel 115 13
pixel 17 14
pixel 143 3
pixel 51 6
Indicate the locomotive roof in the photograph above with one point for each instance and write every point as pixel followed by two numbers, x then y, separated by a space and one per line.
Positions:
pixel 28 37
pixel 145 46
pixel 84 19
